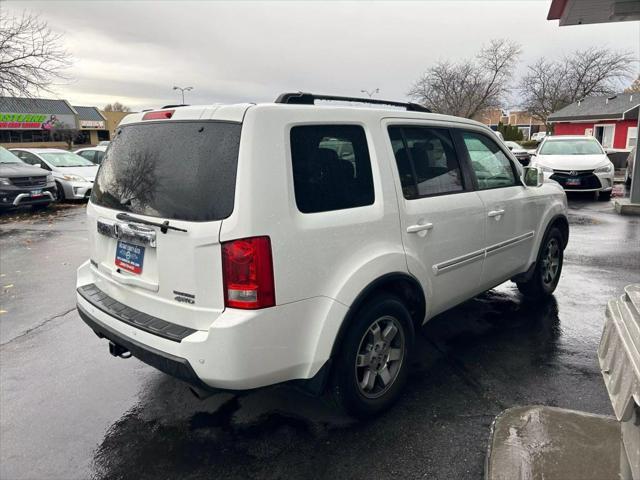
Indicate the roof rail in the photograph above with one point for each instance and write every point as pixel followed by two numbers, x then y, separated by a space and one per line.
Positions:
pixel 175 106
pixel 303 98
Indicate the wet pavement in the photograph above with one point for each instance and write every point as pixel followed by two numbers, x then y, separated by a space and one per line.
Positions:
pixel 69 410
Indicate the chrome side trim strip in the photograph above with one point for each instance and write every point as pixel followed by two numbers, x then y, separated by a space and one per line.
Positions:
pixel 458 262
pixel 508 243
pixel 479 254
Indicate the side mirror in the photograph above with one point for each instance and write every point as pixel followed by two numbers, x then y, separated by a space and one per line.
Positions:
pixel 509 147
pixel 533 176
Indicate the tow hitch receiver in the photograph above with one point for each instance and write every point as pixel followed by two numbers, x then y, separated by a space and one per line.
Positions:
pixel 118 351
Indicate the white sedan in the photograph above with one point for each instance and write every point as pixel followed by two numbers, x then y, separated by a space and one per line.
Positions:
pixel 578 163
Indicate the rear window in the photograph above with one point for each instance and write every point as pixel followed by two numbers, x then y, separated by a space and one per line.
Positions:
pixel 175 170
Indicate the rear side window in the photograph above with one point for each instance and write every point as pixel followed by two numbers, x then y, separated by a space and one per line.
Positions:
pixel 427 161
pixel 175 170
pixel 331 167
pixel 489 163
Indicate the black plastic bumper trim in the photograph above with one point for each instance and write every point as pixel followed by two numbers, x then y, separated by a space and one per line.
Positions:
pixel 119 311
pixel 177 367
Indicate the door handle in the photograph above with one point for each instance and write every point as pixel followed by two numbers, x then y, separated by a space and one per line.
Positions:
pixel 496 213
pixel 419 228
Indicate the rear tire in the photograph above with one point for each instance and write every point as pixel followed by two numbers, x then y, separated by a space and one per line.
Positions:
pixel 373 361
pixel 604 196
pixel 548 268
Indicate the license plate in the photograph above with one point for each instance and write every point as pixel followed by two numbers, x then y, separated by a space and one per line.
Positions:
pixel 36 193
pixel 129 257
pixel 573 182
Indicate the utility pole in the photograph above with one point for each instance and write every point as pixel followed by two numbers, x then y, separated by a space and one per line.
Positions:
pixel 182 90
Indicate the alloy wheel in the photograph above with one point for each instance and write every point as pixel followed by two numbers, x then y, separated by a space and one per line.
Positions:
pixel 551 261
pixel 380 356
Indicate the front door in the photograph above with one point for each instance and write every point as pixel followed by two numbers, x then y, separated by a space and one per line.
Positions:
pixel 511 213
pixel 442 218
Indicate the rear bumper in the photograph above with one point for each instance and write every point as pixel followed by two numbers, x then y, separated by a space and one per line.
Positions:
pixel 171 365
pixel 241 350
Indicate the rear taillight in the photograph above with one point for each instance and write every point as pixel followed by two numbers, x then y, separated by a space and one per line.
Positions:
pixel 247 270
pixel 158 115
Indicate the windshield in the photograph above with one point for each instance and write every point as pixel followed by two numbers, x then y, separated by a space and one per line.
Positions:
pixel 66 159
pixel 175 170
pixel 586 146
pixel 7 157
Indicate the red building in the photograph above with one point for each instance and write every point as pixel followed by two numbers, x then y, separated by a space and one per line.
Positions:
pixel 613 120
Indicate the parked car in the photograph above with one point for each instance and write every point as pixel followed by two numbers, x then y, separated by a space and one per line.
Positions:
pixel 305 243
pixel 103 143
pixel 73 174
pixel 93 154
pixel 539 136
pixel 522 154
pixel 22 184
pixel 628 171
pixel 578 163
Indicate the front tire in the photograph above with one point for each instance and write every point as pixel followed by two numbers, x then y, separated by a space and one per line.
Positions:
pixel 548 268
pixel 60 193
pixel 604 196
pixel 373 361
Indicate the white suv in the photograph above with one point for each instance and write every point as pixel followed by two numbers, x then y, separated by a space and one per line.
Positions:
pixel 239 246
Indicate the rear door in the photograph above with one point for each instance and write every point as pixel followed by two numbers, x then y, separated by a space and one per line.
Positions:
pixel 442 218
pixel 181 177
pixel 511 213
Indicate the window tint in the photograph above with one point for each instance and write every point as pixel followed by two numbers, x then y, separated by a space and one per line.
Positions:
pixel 426 160
pixel 331 167
pixel 491 166
pixel 99 156
pixel 175 170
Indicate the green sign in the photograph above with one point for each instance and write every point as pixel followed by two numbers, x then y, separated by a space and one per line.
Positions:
pixel 22 117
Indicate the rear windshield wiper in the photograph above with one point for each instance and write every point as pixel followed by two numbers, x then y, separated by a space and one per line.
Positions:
pixel 164 226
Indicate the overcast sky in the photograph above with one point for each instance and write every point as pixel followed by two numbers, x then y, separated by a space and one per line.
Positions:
pixel 134 52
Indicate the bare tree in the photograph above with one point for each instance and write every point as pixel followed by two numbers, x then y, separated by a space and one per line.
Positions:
pixel 471 86
pixel 634 87
pixel 32 57
pixel 65 134
pixel 116 107
pixel 550 85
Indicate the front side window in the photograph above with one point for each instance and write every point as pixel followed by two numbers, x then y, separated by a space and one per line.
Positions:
pixel 427 161
pixel 88 154
pixel 489 163
pixel 331 167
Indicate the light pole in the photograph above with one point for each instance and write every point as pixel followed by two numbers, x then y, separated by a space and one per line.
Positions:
pixel 371 93
pixel 182 90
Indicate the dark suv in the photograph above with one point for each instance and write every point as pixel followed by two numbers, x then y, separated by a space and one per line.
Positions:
pixel 22 184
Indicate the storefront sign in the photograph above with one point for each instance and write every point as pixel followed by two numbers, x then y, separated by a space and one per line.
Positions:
pixel 22 120
pixel 35 121
pixel 98 124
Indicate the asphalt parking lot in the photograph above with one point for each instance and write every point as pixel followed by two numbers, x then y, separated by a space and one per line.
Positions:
pixel 68 410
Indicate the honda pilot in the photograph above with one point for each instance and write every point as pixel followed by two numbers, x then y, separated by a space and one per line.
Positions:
pixel 240 246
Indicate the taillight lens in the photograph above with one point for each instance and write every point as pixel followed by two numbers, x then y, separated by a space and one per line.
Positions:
pixel 158 115
pixel 247 269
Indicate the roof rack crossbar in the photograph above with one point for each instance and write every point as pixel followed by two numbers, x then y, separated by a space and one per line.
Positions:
pixel 303 98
